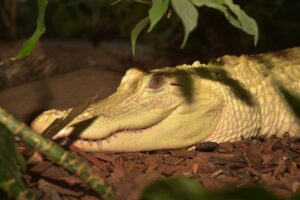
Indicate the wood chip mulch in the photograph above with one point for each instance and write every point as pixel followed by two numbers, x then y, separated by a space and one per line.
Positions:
pixel 273 163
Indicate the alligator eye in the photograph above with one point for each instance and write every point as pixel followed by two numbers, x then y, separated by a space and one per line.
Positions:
pixel 156 82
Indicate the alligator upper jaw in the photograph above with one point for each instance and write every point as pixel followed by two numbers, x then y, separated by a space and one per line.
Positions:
pixel 105 135
pixel 103 144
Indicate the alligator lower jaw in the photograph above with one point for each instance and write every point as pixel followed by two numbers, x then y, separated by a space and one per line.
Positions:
pixel 97 144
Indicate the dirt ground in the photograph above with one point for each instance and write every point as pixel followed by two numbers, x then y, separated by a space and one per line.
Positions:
pixel 74 72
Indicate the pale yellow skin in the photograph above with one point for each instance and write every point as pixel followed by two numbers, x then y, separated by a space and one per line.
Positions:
pixel 226 100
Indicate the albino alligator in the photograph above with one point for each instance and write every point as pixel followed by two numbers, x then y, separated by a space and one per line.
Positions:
pixel 225 100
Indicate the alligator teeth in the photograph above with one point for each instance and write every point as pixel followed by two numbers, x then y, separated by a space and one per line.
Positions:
pixel 90 143
pixel 114 135
pixel 81 143
pixel 99 144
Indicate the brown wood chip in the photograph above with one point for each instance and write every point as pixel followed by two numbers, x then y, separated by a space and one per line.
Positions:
pixel 273 163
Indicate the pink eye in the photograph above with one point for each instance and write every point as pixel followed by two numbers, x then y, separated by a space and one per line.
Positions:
pixel 156 82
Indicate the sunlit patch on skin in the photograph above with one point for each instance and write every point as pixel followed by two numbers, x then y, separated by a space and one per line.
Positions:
pixel 64 132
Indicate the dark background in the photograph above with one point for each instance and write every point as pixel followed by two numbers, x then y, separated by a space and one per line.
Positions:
pixel 98 21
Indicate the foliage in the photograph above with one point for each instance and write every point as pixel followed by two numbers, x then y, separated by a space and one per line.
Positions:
pixel 30 43
pixel 174 188
pixel 187 12
pixel 53 151
pixel 189 16
pixel 183 188
pixel 11 164
pixel 76 19
pixel 157 11
pixel 136 31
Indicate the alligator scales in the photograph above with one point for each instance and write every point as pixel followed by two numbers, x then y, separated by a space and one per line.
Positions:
pixel 225 100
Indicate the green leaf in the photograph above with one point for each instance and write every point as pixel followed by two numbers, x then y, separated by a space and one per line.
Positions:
pixel 189 16
pixel 30 43
pixel 174 189
pixel 116 2
pixel 246 193
pixel 157 10
pixel 136 32
pixel 234 14
pixel 247 24
pixel 218 5
pixel 183 188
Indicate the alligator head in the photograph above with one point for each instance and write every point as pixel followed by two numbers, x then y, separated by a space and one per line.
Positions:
pixel 163 109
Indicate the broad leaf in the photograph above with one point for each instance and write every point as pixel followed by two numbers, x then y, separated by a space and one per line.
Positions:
pixel 183 188
pixel 247 24
pixel 234 14
pixel 174 189
pixel 30 43
pixel 218 5
pixel 116 2
pixel 246 193
pixel 157 10
pixel 136 31
pixel 189 16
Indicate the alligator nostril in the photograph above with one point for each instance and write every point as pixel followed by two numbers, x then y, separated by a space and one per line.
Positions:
pixel 57 112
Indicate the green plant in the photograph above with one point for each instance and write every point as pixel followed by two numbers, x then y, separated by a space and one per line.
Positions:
pixel 188 13
pixel 30 43
pixel 183 188
pixel 12 182
pixel 185 9
pixel 12 164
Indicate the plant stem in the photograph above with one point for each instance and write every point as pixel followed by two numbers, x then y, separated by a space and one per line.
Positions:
pixel 57 154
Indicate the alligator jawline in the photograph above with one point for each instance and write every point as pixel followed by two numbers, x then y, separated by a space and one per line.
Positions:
pixel 114 135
